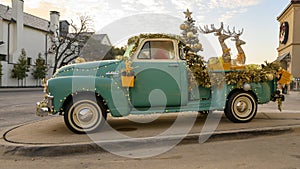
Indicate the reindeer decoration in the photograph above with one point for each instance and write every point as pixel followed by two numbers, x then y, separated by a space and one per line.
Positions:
pixel 222 36
pixel 241 57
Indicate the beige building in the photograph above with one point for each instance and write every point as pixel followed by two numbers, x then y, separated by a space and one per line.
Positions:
pixel 289 41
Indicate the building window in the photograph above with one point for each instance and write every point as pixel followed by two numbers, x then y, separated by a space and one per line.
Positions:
pixel 2 57
pixel 29 61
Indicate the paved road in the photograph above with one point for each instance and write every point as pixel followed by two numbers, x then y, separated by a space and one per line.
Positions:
pixel 18 106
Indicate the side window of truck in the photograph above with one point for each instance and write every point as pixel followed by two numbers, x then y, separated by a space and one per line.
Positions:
pixel 145 52
pixel 181 52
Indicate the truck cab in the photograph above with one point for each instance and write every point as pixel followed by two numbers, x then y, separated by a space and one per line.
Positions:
pixel 159 73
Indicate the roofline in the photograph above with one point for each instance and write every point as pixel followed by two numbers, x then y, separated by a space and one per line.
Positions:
pixel 105 35
pixel 64 21
pixel 26 25
pixel 287 8
pixel 46 31
pixel 25 13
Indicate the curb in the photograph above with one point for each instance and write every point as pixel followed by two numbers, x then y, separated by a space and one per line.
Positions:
pixel 50 150
pixel 21 89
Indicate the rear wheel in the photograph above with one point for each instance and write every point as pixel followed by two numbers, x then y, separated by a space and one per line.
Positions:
pixel 241 107
pixel 84 114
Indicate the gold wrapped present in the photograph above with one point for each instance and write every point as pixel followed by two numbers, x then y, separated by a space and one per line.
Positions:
pixel 285 77
pixel 127 81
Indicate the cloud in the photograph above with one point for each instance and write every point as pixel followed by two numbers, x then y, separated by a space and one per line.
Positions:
pixel 156 6
pixel 6 2
pixel 190 4
pixel 222 10
pixel 104 12
pixel 232 4
pixel 230 14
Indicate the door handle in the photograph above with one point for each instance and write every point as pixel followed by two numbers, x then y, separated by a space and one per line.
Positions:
pixel 173 65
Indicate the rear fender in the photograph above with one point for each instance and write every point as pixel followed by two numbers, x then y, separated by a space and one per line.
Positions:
pixel 261 91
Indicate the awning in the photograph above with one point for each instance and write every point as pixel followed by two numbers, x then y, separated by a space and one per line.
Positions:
pixel 286 57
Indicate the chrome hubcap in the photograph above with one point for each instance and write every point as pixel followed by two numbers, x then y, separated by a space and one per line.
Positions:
pixel 86 114
pixel 242 107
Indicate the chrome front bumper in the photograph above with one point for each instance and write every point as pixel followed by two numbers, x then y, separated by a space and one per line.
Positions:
pixel 44 108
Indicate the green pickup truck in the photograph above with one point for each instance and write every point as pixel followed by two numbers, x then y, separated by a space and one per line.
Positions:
pixel 85 93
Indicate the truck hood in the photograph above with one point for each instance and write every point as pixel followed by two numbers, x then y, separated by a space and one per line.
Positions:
pixel 97 68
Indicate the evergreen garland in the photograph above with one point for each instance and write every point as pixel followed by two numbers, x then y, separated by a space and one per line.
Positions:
pixel 136 39
pixel 198 73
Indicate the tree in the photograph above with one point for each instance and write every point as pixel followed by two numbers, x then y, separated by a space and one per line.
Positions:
pixel 65 48
pixel 117 51
pixel 19 70
pixel 0 73
pixel 40 69
pixel 0 70
pixel 190 32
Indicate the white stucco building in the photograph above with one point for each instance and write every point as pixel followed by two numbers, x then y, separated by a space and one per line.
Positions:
pixel 19 30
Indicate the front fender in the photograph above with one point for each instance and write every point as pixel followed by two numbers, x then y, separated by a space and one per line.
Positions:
pixel 108 88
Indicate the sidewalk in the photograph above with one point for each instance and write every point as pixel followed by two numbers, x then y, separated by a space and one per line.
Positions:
pixel 290 105
pixel 50 137
pixel 16 89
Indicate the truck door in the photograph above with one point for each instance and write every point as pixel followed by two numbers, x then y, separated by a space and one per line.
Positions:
pixel 157 70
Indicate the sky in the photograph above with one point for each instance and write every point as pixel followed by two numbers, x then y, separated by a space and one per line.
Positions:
pixel 121 19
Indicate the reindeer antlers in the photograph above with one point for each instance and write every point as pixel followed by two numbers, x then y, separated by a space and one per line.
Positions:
pixel 238 34
pixel 206 30
pixel 232 33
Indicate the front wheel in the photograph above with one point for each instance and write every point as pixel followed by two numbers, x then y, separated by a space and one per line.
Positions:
pixel 84 114
pixel 241 107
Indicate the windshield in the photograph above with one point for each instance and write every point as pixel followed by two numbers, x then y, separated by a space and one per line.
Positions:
pixel 128 50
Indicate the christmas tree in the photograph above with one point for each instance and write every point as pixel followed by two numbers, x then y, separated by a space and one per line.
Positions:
pixel 190 33
pixel 198 74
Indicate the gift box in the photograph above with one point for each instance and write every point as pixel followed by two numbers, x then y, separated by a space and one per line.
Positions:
pixel 127 81
pixel 285 77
